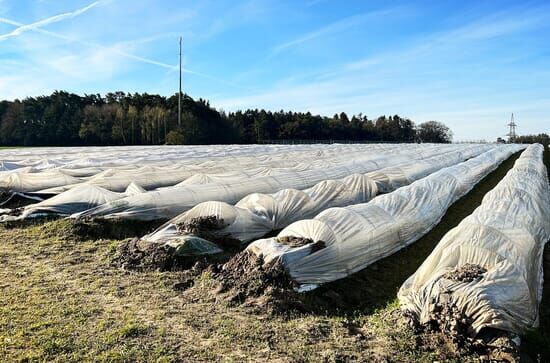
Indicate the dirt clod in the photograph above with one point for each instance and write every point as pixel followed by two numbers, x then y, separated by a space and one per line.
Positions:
pixel 295 242
pixel 449 326
pixel 136 254
pixel 247 280
pixel 466 273
pixel 447 318
pixel 201 224
pixel 208 227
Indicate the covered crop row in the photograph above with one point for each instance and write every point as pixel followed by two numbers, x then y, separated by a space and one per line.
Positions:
pixel 489 267
pixel 83 157
pixel 341 241
pixel 164 170
pixel 229 167
pixel 169 202
pixel 112 186
pixel 257 214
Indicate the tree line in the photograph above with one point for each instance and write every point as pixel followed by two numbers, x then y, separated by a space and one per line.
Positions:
pixel 120 118
pixel 543 139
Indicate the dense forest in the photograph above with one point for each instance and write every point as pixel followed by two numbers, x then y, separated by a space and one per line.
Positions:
pixel 142 119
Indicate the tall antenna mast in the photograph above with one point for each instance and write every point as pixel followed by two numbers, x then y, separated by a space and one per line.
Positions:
pixel 512 134
pixel 179 94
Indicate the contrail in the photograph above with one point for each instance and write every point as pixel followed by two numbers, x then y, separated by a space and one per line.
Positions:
pixel 89 44
pixel 36 28
pixel 52 19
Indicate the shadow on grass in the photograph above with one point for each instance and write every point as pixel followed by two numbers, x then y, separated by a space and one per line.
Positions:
pixel 30 222
pixel 87 229
pixel 376 286
pixel 113 228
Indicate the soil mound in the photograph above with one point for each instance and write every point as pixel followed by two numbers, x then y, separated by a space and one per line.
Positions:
pixel 136 254
pixel 466 273
pixel 294 242
pixel 248 281
pixel 140 255
pixel 449 326
pixel 208 227
pixel 201 224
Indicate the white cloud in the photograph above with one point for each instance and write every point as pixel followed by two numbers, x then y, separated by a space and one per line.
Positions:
pixel 91 64
pixel 15 83
pixel 336 27
pixel 41 23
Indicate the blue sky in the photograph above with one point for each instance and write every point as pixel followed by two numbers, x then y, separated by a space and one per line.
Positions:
pixel 469 64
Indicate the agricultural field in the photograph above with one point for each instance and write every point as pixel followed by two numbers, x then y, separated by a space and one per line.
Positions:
pixel 290 253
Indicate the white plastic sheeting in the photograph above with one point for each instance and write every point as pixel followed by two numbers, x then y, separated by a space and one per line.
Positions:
pixel 151 177
pixel 158 167
pixel 169 202
pixel 72 201
pixel 506 236
pixel 257 214
pixel 129 156
pixel 104 189
pixel 220 169
pixel 358 235
pixel 27 181
pixel 82 196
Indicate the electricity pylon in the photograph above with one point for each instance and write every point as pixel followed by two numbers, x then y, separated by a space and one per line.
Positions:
pixel 512 134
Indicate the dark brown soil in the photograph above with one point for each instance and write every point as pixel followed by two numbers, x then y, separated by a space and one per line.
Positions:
pixel 142 255
pixel 201 224
pixel 465 273
pixel 139 255
pixel 450 327
pixel 189 276
pixel 208 227
pixel 136 254
pixel 447 318
pixel 100 228
pixel 247 280
pixel 269 287
pixel 294 242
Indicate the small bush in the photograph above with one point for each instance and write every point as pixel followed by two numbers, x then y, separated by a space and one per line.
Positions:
pixel 174 138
